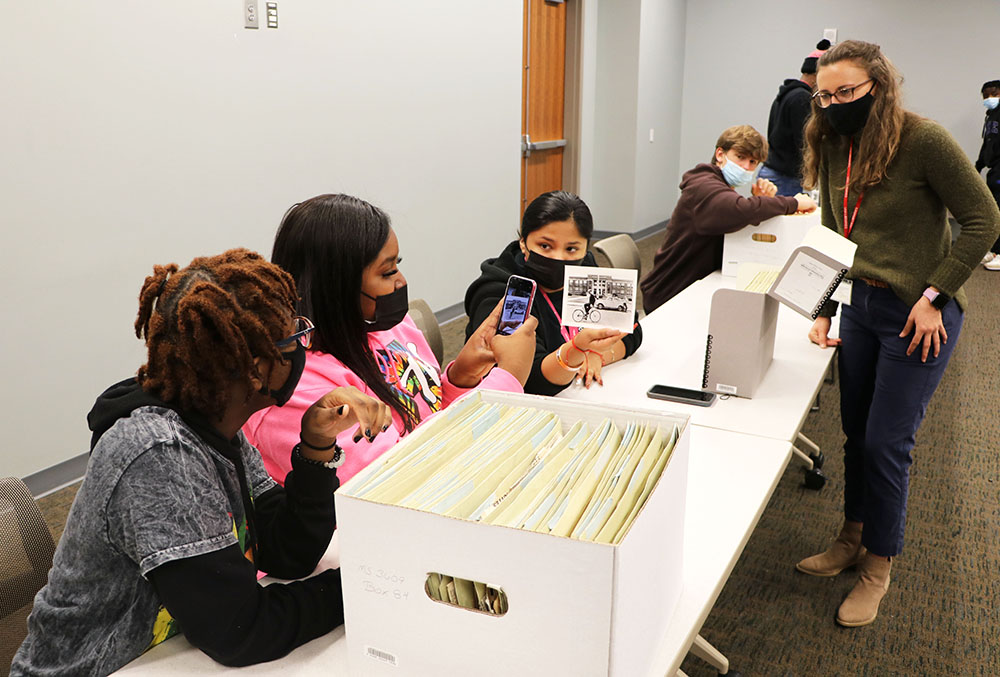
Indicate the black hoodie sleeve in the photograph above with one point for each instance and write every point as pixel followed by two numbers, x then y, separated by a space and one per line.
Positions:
pixel 223 611
pixel 799 109
pixel 217 601
pixel 295 523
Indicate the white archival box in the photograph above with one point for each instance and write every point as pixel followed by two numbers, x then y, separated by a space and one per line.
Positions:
pixel 575 607
pixel 770 243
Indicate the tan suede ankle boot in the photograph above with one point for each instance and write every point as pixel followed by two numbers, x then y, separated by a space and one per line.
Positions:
pixel 846 551
pixel 861 605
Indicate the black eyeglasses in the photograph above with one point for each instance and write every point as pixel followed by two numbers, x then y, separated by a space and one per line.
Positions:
pixel 303 333
pixel 842 95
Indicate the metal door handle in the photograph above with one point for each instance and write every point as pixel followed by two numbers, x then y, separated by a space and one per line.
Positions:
pixel 527 145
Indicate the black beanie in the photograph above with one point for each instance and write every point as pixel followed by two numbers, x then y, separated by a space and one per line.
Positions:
pixel 809 64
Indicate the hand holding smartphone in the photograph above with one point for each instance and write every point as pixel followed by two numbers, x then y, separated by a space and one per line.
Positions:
pixel 699 398
pixel 517 301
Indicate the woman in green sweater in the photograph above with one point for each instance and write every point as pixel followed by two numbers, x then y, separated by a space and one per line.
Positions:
pixel 901 172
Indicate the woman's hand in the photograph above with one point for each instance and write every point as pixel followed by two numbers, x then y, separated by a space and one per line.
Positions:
pixel 819 331
pixel 476 358
pixel 928 329
pixel 596 339
pixel 590 372
pixel 516 353
pixel 337 411
pixel 764 187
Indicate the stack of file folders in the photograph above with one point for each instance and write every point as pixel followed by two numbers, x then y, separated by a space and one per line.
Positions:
pixel 514 466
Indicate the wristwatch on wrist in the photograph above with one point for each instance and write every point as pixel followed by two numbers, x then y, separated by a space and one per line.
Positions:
pixel 335 462
pixel 938 299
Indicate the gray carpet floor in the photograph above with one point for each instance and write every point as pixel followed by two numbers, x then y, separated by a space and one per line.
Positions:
pixel 940 616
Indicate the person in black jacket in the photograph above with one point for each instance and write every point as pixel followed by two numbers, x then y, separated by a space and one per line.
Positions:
pixel 555 232
pixel 177 514
pixel 989 157
pixel 785 124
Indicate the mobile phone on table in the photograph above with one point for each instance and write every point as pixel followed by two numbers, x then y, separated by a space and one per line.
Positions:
pixel 699 398
pixel 517 301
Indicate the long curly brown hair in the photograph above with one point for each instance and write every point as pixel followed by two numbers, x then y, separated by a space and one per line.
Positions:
pixel 205 323
pixel 880 139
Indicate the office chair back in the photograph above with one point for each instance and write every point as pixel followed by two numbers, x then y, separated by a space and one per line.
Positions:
pixel 428 325
pixel 617 251
pixel 620 251
pixel 26 550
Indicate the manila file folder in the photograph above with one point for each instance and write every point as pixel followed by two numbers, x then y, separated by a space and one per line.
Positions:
pixel 740 344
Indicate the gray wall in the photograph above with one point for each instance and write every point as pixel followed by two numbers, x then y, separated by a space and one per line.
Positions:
pixel 639 70
pixel 737 55
pixel 142 133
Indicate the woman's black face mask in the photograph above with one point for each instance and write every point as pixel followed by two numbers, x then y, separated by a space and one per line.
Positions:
pixel 390 309
pixel 847 119
pixel 548 273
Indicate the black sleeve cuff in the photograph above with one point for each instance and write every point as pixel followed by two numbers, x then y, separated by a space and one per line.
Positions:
pixel 311 480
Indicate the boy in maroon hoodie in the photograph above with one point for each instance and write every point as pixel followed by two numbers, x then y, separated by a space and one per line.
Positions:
pixel 710 207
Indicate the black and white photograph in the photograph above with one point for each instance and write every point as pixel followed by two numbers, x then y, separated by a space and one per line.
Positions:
pixel 600 297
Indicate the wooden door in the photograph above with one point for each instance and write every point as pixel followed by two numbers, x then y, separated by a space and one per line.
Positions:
pixel 542 97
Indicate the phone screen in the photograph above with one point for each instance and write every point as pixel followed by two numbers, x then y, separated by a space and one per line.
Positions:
pixel 516 304
pixel 675 394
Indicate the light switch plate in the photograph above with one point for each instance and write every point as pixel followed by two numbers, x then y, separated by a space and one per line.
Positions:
pixel 251 18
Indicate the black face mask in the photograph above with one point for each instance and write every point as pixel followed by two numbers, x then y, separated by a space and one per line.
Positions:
pixel 284 393
pixel 390 309
pixel 547 272
pixel 847 119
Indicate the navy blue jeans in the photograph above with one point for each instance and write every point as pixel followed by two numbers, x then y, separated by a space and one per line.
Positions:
pixel 787 185
pixel 883 398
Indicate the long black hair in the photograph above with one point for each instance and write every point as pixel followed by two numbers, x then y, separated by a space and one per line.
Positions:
pixel 557 205
pixel 325 243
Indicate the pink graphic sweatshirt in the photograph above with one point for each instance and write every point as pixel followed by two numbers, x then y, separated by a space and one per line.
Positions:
pixel 410 369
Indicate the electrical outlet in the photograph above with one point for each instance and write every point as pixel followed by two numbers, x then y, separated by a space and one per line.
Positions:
pixel 272 14
pixel 250 16
pixel 831 35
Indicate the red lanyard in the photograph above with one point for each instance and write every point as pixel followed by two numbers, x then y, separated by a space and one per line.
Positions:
pixel 569 333
pixel 849 226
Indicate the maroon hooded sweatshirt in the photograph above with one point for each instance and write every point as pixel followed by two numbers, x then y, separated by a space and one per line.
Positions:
pixel 692 248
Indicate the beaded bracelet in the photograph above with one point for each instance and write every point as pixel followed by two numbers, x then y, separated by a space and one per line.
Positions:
pixel 335 462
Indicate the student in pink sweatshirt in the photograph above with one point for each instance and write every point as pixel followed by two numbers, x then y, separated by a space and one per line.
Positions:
pixel 344 257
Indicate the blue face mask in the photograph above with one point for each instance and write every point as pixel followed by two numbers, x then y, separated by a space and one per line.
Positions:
pixel 735 175
pixel 991 102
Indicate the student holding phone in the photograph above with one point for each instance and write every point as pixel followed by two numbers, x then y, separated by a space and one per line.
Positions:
pixel 345 259
pixel 555 232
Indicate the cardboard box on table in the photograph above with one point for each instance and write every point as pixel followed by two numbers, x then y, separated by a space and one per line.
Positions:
pixel 740 345
pixel 770 243
pixel 574 607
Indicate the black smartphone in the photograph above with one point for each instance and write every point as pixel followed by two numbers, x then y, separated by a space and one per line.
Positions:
pixel 699 398
pixel 517 301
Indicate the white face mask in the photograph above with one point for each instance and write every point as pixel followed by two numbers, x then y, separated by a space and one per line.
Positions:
pixel 991 102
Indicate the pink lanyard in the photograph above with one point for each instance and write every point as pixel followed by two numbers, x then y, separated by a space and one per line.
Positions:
pixel 849 226
pixel 569 333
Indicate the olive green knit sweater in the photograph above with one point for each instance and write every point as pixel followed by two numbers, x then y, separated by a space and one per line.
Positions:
pixel 901 229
